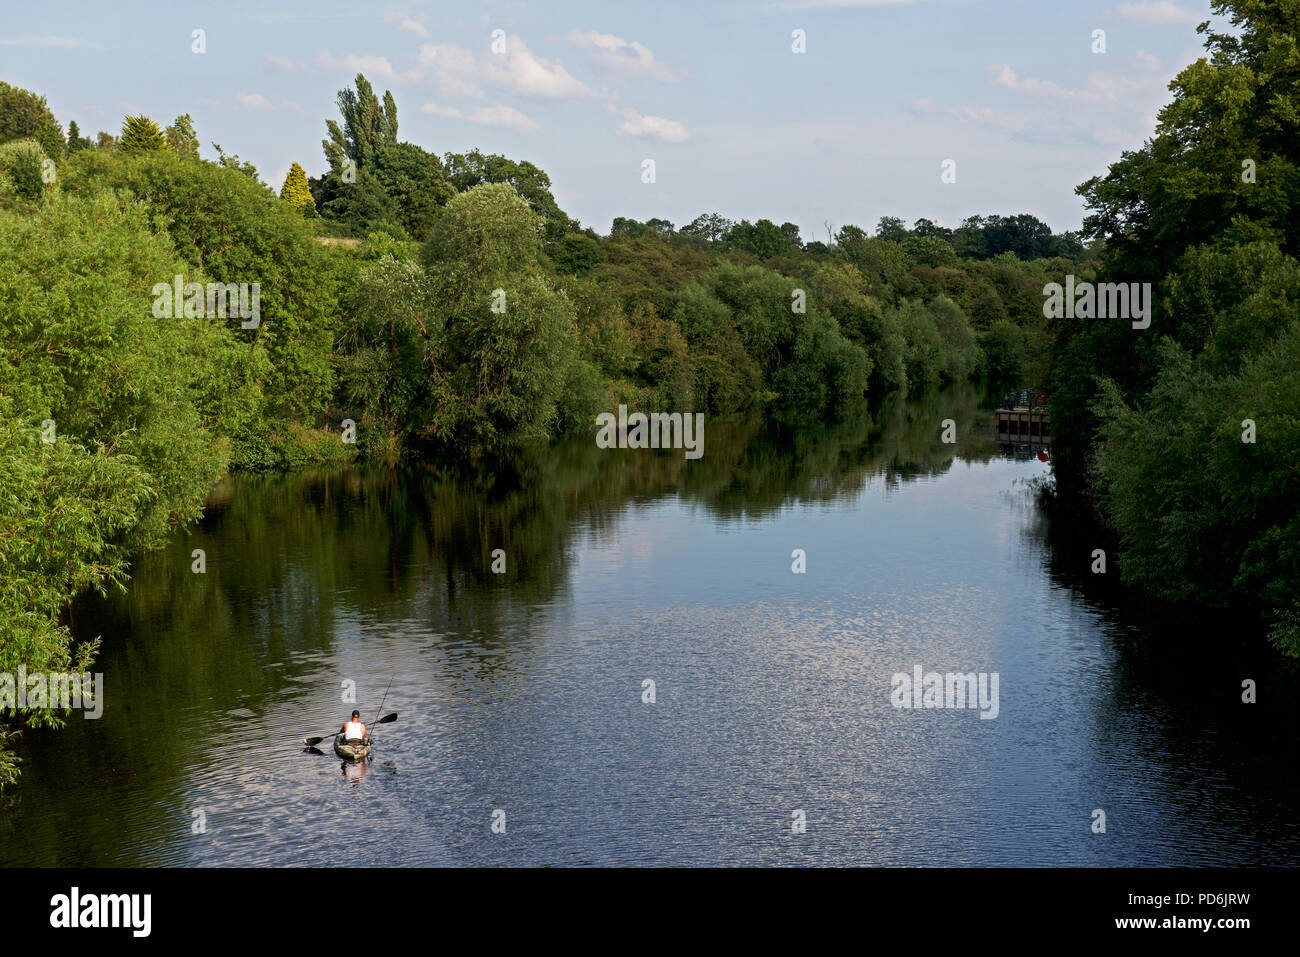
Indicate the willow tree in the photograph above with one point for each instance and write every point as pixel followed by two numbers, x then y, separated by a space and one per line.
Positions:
pixel 502 356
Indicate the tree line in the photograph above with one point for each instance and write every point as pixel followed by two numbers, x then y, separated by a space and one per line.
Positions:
pixel 1185 437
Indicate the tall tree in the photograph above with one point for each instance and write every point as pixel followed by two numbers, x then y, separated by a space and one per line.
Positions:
pixel 141 135
pixel 295 191
pixel 502 355
pixel 367 126
pixel 76 141
pixel 182 138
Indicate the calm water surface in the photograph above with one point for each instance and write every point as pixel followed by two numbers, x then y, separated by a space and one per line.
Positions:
pixel 523 691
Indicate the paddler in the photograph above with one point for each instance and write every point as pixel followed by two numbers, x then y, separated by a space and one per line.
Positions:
pixel 353 730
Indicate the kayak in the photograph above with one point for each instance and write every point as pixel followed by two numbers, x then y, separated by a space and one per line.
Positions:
pixel 351 751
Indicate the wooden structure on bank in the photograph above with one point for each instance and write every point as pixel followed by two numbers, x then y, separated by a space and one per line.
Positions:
pixel 1022 419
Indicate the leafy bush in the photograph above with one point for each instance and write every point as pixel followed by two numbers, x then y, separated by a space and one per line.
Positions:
pixel 21 165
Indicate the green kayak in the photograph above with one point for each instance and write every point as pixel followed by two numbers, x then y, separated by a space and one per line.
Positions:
pixel 351 750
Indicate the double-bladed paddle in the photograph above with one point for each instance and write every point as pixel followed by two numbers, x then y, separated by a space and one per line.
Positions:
pixel 312 742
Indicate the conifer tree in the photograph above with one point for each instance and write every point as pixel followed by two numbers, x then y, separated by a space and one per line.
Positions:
pixel 141 135
pixel 296 193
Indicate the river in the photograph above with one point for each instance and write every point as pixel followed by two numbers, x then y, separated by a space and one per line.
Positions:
pixel 523 696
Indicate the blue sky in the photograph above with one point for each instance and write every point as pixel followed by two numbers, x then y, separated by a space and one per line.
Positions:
pixel 854 129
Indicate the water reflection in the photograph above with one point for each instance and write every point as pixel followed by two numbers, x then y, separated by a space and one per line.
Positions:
pixel 521 692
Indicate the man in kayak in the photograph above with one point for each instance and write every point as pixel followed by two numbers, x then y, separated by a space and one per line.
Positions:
pixel 354 730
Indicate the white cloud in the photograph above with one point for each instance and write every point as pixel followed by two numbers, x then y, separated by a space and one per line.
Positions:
pixel 407 24
pixel 619 54
pixel 253 101
pixel 1158 11
pixel 1098 88
pixel 433 109
pixel 653 127
pixel 372 66
pixel 525 72
pixel 452 68
pixel 925 107
pixel 503 116
pixel 280 63
pixel 1003 75
pixel 1148 61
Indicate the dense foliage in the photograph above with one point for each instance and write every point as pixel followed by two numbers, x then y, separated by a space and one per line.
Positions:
pixel 1187 434
pixel 110 418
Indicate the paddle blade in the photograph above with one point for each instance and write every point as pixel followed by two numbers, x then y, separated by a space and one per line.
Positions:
pixel 312 742
pixel 387 719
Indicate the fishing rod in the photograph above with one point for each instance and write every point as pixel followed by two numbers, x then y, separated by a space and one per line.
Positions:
pixel 381 706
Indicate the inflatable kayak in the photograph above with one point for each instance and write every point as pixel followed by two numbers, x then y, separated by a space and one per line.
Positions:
pixel 351 750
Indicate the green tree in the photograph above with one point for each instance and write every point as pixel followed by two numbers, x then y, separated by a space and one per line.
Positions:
pixel 467 170
pixel 708 226
pixel 76 141
pixel 360 207
pixel 763 239
pixel 22 164
pixel 141 135
pixel 236 230
pixel 295 191
pixel 891 229
pixel 135 403
pixel 24 115
pixel 1205 211
pixel 182 138
pixel 367 128
pixel 631 228
pixel 414 180
pixel 576 254
pixel 506 332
